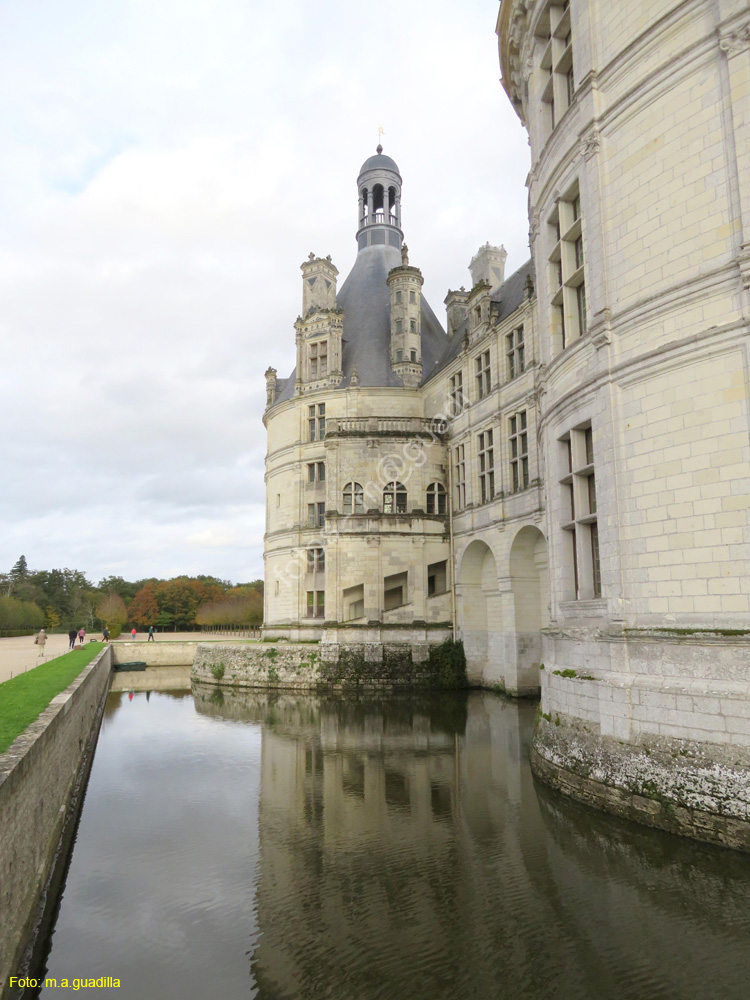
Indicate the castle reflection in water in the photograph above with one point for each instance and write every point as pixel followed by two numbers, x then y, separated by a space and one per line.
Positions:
pixel 406 851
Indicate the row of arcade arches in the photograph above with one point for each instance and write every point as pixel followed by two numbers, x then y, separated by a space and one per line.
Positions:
pixel 501 616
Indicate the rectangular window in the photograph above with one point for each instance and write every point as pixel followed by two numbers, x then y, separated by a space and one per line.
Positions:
pixel 399 326
pixel 321 472
pixel 579 515
pixel 412 326
pixel 412 297
pixel 311 472
pixel 321 512
pixel 437 578
pixel 482 369
pixel 519 452
pixel 398 298
pixel 316 604
pixel 486 467
pixel 457 393
pixel 395 591
pixel 555 67
pixel 315 560
pixel 313 360
pixel 311 515
pixel 567 262
pixel 459 476
pixel 515 352
pixel 321 421
pixel 311 423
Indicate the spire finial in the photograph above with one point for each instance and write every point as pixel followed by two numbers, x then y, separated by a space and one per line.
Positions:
pixel 381 131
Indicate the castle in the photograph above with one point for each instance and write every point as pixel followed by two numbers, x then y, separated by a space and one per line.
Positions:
pixel 561 477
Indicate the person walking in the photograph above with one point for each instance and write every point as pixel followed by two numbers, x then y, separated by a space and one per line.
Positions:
pixel 105 634
pixel 151 633
pixel 72 638
pixel 39 641
pixel 133 632
pixel 81 635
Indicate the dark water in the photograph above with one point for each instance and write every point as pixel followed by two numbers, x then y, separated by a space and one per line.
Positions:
pixel 246 845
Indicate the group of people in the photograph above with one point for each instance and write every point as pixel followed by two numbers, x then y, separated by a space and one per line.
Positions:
pixel 151 633
pixel 80 634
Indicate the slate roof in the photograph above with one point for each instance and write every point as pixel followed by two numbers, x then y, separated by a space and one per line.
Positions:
pixel 510 295
pixel 366 301
pixel 379 162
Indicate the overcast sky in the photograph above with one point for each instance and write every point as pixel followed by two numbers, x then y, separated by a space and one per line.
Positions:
pixel 165 167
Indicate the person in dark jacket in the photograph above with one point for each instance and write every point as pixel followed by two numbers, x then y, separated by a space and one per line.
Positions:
pixel 72 633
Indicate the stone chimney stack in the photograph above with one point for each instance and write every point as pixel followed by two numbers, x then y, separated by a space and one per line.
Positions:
pixel 488 264
pixel 318 284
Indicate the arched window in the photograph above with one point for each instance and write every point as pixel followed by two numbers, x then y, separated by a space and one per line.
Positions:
pixel 436 498
pixel 354 502
pixel 394 499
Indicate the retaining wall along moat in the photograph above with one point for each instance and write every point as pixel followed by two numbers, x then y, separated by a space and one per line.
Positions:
pixel 39 794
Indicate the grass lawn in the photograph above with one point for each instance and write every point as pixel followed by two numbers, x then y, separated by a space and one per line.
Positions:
pixel 24 698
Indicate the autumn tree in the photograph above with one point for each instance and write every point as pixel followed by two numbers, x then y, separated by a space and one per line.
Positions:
pixel 111 610
pixel 239 607
pixel 143 610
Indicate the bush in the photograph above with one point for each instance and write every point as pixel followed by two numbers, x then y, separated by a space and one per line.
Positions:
pixel 448 665
pixel 218 670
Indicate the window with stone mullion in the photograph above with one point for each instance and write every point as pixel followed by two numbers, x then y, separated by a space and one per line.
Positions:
pixel 519 452
pixel 579 512
pixel 486 466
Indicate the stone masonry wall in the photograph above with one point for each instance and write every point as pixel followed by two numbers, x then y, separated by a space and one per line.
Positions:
pixel 37 777
pixel 334 665
pixel 692 789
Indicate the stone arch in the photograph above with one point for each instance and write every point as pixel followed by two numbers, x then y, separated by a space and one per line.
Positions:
pixel 530 586
pixel 478 594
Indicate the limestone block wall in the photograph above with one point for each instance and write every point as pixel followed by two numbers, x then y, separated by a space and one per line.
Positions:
pixel 637 685
pixel 38 776
pixel 160 653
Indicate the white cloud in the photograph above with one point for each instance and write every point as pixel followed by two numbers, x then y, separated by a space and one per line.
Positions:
pixel 164 169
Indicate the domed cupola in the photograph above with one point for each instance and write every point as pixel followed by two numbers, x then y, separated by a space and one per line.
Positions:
pixel 379 185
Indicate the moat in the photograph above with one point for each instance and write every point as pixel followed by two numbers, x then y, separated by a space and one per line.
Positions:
pixel 290 847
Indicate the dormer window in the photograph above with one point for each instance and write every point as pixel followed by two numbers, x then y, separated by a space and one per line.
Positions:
pixel 319 359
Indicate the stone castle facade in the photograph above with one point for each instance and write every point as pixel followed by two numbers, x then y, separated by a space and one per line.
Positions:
pixel 560 477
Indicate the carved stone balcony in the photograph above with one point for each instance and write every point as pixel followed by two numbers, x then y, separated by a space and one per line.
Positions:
pixel 401 427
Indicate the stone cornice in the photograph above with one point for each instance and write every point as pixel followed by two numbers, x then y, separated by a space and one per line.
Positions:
pixel 512 24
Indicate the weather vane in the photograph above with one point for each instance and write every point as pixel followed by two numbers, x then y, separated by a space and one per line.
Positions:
pixel 381 131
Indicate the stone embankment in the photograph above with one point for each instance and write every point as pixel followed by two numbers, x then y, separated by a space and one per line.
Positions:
pixel 310 666
pixel 690 788
pixel 42 780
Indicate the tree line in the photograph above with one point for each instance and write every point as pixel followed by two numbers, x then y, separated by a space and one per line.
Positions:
pixel 61 599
